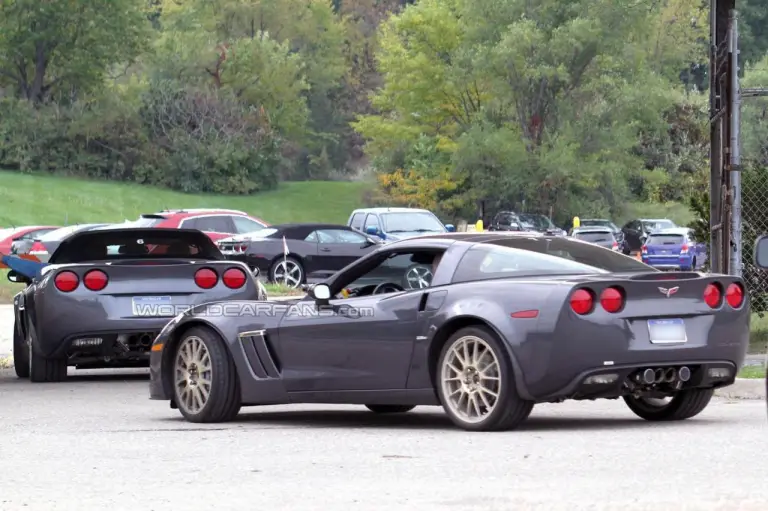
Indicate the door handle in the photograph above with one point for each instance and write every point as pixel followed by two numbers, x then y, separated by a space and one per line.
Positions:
pixel 325 250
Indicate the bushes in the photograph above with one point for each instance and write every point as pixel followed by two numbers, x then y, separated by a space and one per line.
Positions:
pixel 170 135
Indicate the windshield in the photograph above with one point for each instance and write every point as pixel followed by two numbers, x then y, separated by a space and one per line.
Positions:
pixel 411 222
pixel 665 239
pixel 594 237
pixel 655 225
pixel 600 223
pixel 539 221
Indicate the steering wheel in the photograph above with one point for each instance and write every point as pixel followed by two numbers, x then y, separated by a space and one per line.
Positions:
pixel 387 287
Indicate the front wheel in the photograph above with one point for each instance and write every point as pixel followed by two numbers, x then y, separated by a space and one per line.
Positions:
pixel 205 383
pixel 683 405
pixel 390 408
pixel 476 385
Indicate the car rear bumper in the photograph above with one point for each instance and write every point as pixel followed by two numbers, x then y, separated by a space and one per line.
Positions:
pixel 107 339
pixel 669 263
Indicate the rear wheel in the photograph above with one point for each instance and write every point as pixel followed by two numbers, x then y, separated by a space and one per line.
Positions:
pixel 42 369
pixel 287 271
pixel 20 354
pixel 390 408
pixel 683 405
pixel 206 387
pixel 476 385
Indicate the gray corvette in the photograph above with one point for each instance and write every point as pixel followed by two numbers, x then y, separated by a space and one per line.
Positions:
pixel 505 322
pixel 106 294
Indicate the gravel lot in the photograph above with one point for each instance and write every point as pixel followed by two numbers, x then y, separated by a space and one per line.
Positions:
pixel 97 442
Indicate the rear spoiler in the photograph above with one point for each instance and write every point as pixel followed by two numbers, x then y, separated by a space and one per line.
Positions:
pixel 665 275
pixel 154 216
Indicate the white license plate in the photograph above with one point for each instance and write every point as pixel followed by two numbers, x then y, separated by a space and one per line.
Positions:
pixel 152 306
pixel 667 331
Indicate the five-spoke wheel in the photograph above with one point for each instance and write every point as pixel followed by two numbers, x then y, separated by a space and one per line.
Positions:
pixel 287 271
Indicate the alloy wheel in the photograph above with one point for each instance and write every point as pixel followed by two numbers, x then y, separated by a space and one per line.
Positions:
pixel 288 273
pixel 418 277
pixel 193 374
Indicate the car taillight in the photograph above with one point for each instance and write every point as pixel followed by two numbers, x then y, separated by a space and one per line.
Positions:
pixel 644 250
pixel 95 280
pixel 684 249
pixel 66 281
pixel 234 278
pixel 615 246
pixel 206 278
pixel 734 295
pixel 582 301
pixel 612 299
pixel 712 295
pixel 242 248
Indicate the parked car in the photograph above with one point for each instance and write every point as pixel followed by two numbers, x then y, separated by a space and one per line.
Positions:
pixel 315 251
pixel 216 223
pixel 507 322
pixel 600 236
pixel 392 224
pixel 107 293
pixel 509 221
pixel 637 231
pixel 541 223
pixel 13 235
pixel 673 249
pixel 41 248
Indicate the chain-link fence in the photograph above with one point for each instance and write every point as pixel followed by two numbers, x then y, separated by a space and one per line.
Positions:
pixel 754 215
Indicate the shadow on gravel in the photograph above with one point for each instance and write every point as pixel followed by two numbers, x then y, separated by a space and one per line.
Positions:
pixel 8 377
pixel 433 420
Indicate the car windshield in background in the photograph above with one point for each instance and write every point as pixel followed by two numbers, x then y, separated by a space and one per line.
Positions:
pixel 538 221
pixel 107 246
pixel 661 224
pixel 584 253
pixel 411 222
pixel 665 239
pixel 600 223
pixel 594 236
pixel 60 234
pixel 143 222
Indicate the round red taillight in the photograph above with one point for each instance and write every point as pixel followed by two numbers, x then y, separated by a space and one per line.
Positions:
pixel 206 278
pixel 612 299
pixel 66 281
pixel 234 278
pixel 582 301
pixel 735 295
pixel 712 295
pixel 95 280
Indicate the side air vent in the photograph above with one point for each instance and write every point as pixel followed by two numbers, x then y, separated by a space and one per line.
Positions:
pixel 260 354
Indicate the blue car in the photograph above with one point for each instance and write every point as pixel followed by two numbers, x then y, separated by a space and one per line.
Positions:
pixel 673 249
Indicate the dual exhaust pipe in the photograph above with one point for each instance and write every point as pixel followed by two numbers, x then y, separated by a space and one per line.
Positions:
pixel 669 375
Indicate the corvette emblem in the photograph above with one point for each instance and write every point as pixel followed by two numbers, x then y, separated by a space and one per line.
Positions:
pixel 669 292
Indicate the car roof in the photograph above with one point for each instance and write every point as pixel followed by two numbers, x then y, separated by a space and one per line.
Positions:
pixel 302 230
pixel 655 220
pixel 596 220
pixel 390 210
pixel 592 228
pixel 673 230
pixel 186 213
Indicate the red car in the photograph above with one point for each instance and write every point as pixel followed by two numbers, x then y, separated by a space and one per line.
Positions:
pixel 29 232
pixel 216 223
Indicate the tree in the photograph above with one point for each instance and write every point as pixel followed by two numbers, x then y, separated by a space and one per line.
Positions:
pixel 57 48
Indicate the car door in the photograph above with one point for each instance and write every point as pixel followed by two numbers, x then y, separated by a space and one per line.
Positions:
pixel 338 248
pixel 355 344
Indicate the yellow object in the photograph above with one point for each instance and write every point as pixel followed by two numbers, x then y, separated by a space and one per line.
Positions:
pixel 345 293
pixel 576 222
pixel 479 226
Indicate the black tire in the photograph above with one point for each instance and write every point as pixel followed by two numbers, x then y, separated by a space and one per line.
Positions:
pixel 288 260
pixel 390 408
pixel 684 405
pixel 223 402
pixel 510 410
pixel 20 354
pixel 42 369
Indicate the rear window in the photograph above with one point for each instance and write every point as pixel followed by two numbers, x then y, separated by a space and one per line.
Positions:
pixel 143 244
pixel 143 222
pixel 665 239
pixel 659 224
pixel 594 237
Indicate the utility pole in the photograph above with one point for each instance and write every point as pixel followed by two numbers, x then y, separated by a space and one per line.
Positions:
pixel 735 146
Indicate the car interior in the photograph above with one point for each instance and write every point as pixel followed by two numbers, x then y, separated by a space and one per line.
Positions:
pixel 397 273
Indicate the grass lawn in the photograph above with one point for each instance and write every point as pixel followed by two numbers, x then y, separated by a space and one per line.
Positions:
pixel 752 372
pixel 46 200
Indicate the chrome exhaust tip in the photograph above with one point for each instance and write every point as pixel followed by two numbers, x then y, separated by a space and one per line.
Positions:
pixel 659 376
pixel 649 376
pixel 684 374
pixel 670 375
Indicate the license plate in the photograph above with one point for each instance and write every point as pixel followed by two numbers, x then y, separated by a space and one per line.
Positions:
pixel 667 331
pixel 152 306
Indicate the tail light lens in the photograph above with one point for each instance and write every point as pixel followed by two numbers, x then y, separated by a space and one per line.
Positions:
pixel 582 302
pixel 37 248
pixel 612 299
pixel 95 280
pixel 234 278
pixel 615 246
pixel 206 278
pixel 684 249
pixel 734 295
pixel 712 295
pixel 242 248
pixel 66 281
pixel 644 250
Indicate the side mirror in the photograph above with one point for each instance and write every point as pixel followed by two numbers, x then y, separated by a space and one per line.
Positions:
pixel 321 293
pixel 17 278
pixel 373 231
pixel 450 227
pixel 761 252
